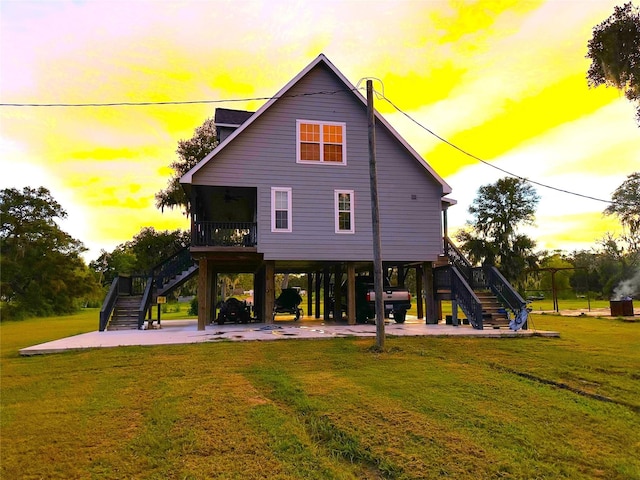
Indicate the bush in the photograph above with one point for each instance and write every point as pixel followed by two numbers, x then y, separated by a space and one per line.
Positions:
pixel 193 306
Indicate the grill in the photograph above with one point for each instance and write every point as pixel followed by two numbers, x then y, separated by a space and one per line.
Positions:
pixel 621 308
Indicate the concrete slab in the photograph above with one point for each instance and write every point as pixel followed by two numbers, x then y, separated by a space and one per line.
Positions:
pixel 185 331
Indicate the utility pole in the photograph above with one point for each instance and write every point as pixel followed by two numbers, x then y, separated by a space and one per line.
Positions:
pixel 375 220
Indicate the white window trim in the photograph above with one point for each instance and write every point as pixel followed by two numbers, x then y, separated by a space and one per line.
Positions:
pixel 274 190
pixel 321 161
pixel 351 211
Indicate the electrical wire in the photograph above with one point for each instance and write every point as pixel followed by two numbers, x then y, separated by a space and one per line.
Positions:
pixel 176 102
pixel 379 95
pixel 475 157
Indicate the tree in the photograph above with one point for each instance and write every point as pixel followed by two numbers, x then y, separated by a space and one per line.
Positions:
pixel 111 264
pixel 614 51
pixel 623 250
pixel 190 152
pixel 626 206
pixel 42 272
pixel 561 278
pixel 151 247
pixel 589 273
pixel 492 238
pixel 616 262
pixel 140 254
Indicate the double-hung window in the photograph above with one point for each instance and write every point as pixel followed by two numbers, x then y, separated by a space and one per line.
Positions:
pixel 280 209
pixel 345 222
pixel 321 142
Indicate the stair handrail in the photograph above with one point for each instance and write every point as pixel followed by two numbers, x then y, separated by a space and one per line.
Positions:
pixel 176 263
pixel 465 297
pixel 145 303
pixel 457 258
pixel 505 292
pixel 108 305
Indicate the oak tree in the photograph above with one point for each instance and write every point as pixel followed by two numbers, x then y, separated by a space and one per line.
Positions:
pixel 492 236
pixel 41 268
pixel 614 51
pixel 190 152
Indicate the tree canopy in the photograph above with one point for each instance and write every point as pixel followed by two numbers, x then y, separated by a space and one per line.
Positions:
pixel 190 152
pixel 492 236
pixel 42 272
pixel 614 51
pixel 626 205
pixel 140 254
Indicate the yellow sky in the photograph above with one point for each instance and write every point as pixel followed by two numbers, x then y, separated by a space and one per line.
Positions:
pixel 504 80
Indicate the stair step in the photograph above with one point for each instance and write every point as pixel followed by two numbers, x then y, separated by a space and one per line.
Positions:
pixel 125 313
pixel 495 321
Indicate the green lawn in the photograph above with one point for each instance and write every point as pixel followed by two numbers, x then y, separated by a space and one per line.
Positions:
pixel 460 408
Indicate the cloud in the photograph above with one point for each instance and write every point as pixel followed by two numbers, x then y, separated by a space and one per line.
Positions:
pixel 591 155
pixel 501 78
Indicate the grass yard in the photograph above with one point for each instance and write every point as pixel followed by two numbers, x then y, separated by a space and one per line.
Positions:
pixel 543 408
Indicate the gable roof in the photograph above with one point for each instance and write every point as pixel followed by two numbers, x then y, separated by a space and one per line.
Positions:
pixel 187 178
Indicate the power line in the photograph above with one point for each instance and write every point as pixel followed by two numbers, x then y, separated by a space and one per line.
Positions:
pixel 307 94
pixel 475 157
pixel 168 102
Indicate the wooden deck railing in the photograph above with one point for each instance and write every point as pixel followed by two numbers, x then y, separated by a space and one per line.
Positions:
pixel 224 234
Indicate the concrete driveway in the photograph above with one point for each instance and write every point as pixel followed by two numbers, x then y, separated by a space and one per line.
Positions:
pixel 185 331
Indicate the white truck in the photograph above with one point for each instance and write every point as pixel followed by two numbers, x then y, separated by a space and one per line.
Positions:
pixel 397 300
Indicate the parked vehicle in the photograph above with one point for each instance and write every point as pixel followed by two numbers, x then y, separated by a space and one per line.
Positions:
pixel 289 302
pixel 234 311
pixel 397 300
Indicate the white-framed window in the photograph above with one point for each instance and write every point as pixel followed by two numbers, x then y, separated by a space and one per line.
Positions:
pixel 321 142
pixel 344 208
pixel 280 209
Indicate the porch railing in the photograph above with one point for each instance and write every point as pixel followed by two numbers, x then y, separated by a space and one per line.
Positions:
pixel 224 234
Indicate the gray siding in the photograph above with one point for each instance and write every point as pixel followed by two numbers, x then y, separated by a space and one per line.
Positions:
pixel 264 156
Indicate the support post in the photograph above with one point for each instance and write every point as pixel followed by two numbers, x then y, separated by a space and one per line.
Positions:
pixel 309 293
pixel 204 296
pixel 429 292
pixel 326 287
pixel 318 285
pixel 375 219
pixel 213 289
pixel 258 294
pixel 269 290
pixel 454 313
pixel 351 293
pixel 337 293
pixel 419 294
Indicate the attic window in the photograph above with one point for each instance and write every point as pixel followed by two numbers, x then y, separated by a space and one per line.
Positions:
pixel 321 142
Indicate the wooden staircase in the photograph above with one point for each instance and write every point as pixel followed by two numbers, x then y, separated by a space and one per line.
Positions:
pixel 125 313
pixel 476 290
pixel 170 283
pixel 493 313
pixel 132 295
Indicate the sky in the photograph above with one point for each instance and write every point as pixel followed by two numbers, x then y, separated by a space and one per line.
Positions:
pixel 503 80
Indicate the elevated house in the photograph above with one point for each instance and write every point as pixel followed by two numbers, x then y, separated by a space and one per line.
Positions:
pixel 287 190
